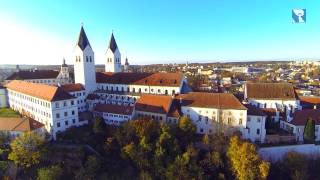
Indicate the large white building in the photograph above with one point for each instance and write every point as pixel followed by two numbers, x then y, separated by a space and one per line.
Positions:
pixel 121 96
pixel 50 105
pixel 49 77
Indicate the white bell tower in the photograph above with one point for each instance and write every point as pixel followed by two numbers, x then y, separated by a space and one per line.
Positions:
pixel 113 57
pixel 84 66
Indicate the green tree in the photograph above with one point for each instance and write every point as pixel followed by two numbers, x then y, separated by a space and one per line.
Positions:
pixel 185 166
pixel 99 126
pixel 91 169
pixel 245 162
pixel 296 165
pixel 309 131
pixel 186 125
pixel 49 173
pixel 27 149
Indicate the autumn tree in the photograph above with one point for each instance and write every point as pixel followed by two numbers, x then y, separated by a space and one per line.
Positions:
pixel 296 165
pixel 90 170
pixel 185 166
pixel 309 131
pixel 99 126
pixel 27 149
pixel 245 162
pixel 49 173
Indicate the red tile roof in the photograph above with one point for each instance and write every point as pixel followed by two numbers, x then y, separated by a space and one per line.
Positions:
pixel 19 124
pixel 72 87
pixel 154 103
pixel 36 74
pixel 310 99
pixel 211 100
pixel 300 117
pixel 149 79
pixel 270 91
pixel 42 91
pixel 114 109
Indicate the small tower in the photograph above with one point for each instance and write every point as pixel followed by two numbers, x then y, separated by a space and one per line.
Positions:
pixel 113 57
pixel 84 66
pixel 64 70
pixel 17 68
pixel 64 77
pixel 126 66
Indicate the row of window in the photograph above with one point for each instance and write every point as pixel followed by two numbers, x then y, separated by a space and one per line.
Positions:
pixel 133 90
pixel 45 81
pixel 88 59
pixel 214 112
pixel 64 104
pixel 109 60
pixel 115 115
pixel 66 123
pixel 78 94
pixel 20 96
pixel 65 114
pixel 147 116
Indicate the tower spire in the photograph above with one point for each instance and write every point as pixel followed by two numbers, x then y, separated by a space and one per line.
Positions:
pixel 112 43
pixel 83 41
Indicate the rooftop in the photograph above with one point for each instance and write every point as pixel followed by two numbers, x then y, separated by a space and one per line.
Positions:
pixel 19 124
pixel 35 74
pixel 149 79
pixel 211 100
pixel 154 103
pixel 114 109
pixel 42 91
pixel 300 117
pixel 270 91
pixel 72 87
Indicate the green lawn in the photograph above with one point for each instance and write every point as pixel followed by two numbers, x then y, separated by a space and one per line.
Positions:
pixel 7 112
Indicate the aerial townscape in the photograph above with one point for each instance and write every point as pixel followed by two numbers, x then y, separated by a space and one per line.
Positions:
pixel 245 120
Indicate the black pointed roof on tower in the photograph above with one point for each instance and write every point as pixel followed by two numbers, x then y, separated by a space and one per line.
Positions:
pixel 112 43
pixel 83 41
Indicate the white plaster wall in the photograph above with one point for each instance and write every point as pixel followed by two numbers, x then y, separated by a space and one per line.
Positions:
pixel 85 72
pixel 238 118
pixel 254 123
pixel 276 153
pixel 113 66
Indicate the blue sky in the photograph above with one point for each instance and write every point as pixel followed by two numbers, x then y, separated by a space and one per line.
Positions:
pixel 164 31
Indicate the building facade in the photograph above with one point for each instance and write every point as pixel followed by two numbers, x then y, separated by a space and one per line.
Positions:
pixel 49 105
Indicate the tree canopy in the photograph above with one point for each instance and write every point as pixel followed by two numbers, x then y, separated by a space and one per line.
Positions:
pixel 245 162
pixel 309 131
pixel 27 149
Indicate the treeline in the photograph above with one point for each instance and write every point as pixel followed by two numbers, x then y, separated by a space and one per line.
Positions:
pixel 146 149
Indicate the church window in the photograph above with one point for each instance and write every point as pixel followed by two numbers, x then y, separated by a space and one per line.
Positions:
pixel 86 58
pixel 90 59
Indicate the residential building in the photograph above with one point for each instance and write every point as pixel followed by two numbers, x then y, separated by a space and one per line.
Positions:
pixel 114 114
pixel 49 105
pixel 296 123
pixel 15 126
